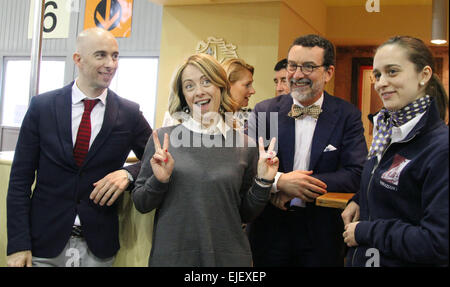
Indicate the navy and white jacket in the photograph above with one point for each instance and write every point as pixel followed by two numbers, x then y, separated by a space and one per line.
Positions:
pixel 404 200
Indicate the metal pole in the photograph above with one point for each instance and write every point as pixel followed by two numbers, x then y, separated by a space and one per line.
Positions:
pixel 36 46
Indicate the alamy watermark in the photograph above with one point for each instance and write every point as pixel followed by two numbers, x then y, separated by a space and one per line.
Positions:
pixel 74 259
pixel 374 257
pixel 263 125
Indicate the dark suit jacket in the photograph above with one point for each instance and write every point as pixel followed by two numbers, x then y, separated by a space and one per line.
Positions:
pixel 338 125
pixel 42 221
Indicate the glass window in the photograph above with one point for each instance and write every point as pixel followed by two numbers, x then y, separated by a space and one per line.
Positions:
pixel 17 84
pixel 136 80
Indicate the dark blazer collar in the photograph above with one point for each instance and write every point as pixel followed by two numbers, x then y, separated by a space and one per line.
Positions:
pixel 324 128
pixel 109 120
pixel 322 133
pixel 63 111
pixel 286 133
pixel 63 107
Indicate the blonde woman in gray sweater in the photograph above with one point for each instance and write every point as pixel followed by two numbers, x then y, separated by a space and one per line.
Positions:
pixel 206 178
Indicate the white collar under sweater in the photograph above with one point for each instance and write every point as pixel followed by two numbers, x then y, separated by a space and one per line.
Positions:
pixel 219 128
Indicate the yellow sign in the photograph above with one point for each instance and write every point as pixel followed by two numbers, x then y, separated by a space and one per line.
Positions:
pixel 111 15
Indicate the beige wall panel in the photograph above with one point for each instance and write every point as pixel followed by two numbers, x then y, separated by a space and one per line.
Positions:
pixel 253 28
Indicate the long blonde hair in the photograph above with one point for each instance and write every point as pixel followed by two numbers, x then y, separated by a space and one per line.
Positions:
pixel 213 71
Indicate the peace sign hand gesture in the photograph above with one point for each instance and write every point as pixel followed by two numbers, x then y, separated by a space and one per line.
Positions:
pixel 268 161
pixel 162 162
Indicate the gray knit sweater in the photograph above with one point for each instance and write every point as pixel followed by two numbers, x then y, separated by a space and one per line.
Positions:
pixel 210 193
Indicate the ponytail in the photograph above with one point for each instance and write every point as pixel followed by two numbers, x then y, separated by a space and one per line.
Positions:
pixel 436 90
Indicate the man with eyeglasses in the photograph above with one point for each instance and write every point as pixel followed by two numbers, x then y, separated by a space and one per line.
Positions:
pixel 321 148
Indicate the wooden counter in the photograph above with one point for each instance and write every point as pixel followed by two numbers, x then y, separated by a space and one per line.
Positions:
pixel 334 200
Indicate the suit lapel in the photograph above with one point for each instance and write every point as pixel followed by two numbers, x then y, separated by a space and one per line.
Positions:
pixel 286 136
pixel 63 111
pixel 109 120
pixel 324 129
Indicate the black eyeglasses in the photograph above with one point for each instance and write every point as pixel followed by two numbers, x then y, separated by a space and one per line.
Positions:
pixel 305 69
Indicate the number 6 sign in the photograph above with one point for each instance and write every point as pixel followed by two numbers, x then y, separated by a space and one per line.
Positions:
pixel 56 18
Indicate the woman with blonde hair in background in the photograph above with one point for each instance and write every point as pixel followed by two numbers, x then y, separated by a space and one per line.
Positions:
pixel 240 76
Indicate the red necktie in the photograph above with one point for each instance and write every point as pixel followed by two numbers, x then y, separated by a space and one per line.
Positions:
pixel 84 133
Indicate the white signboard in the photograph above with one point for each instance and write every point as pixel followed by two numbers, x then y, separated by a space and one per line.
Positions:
pixel 56 18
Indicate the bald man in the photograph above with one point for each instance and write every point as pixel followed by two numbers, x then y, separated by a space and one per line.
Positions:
pixel 74 142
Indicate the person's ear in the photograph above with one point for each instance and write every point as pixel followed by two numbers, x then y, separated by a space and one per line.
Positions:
pixel 76 58
pixel 425 75
pixel 329 73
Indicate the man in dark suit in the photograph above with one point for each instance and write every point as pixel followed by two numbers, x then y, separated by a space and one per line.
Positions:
pixel 74 142
pixel 321 148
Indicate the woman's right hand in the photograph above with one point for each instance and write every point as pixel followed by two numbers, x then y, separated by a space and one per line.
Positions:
pixel 162 162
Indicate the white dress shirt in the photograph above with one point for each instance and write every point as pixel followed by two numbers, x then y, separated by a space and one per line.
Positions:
pixel 304 131
pixel 97 115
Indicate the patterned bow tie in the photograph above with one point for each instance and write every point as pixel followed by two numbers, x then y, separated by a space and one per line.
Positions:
pixel 297 111
pixel 387 119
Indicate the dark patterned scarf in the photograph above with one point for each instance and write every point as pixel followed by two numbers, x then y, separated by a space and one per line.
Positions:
pixel 387 119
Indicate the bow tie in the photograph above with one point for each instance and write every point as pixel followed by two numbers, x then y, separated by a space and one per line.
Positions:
pixel 297 111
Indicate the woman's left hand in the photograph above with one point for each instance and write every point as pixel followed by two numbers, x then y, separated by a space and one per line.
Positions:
pixel 349 234
pixel 268 161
